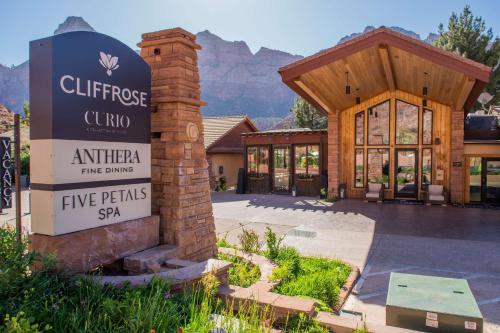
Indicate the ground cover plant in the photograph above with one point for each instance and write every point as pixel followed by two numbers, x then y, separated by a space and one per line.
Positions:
pixel 314 277
pixel 52 301
pixel 242 273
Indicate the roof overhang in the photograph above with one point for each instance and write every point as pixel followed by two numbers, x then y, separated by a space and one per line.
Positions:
pixel 383 60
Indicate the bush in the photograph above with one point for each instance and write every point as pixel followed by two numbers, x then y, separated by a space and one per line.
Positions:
pixel 242 273
pixel 303 324
pixel 318 278
pixel 25 161
pixel 249 241
pixel 273 243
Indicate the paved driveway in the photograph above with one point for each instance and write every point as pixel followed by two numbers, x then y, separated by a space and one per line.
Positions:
pixel 379 239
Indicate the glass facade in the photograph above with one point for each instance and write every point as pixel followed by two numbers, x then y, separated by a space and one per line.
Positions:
pixel 378 166
pixel 306 160
pixel 378 124
pixel 406 123
pixel 257 160
pixel 427 127
pixel 426 168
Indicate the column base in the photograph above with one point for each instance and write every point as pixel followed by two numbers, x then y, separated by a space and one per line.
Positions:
pixel 85 250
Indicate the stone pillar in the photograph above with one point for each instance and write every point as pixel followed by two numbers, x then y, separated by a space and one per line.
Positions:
pixel 180 181
pixel 333 153
pixel 457 157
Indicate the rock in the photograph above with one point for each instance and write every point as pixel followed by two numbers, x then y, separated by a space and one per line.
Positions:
pixel 73 23
pixel 84 250
pixel 153 268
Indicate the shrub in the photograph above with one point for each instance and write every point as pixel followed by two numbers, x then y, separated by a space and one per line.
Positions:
pixel 273 243
pixel 242 273
pixel 318 278
pixel 222 241
pixel 25 161
pixel 249 241
pixel 303 324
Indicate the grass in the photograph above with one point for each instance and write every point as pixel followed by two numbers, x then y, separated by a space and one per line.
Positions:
pixel 313 277
pixel 242 273
pixel 51 301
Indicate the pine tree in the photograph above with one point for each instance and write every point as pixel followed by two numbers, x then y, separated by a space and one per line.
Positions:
pixel 307 116
pixel 467 36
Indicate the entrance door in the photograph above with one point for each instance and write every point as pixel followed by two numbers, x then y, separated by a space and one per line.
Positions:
pixel 406 176
pixel 281 163
pixel 491 180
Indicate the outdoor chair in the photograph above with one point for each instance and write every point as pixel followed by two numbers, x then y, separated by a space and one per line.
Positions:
pixel 436 194
pixel 374 192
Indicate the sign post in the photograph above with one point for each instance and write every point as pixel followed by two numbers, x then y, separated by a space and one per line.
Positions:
pixel 17 168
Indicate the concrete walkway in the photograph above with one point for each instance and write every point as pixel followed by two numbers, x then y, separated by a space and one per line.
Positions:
pixel 380 238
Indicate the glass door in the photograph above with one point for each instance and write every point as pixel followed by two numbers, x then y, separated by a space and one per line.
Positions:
pixel 406 173
pixel 281 159
pixel 491 180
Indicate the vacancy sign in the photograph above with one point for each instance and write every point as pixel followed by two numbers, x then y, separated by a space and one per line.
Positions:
pixel 90 133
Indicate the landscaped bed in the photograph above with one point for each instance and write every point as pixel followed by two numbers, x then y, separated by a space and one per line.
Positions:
pixel 243 273
pixel 51 301
pixel 318 278
pixel 321 279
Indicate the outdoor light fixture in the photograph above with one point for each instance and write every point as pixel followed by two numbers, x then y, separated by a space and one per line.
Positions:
pixel 425 90
pixel 347 86
pixel 358 99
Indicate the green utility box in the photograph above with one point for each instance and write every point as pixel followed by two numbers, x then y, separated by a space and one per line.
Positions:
pixel 432 304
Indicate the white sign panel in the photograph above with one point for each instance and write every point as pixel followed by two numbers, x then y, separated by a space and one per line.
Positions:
pixel 63 212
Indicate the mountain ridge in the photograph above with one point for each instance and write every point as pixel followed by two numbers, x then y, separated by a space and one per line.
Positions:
pixel 234 81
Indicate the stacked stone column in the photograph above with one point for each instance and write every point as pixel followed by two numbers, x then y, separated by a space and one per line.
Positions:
pixel 457 157
pixel 180 180
pixel 333 153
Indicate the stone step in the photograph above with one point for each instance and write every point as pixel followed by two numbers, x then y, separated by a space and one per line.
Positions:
pixel 149 260
pixel 178 263
pixel 178 278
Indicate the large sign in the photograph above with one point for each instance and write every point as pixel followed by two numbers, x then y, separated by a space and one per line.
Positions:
pixel 90 133
pixel 5 173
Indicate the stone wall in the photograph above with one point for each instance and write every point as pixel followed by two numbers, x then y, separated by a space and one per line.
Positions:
pixel 457 157
pixel 180 180
pixel 333 153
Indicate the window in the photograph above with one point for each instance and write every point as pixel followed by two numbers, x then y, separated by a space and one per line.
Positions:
pixel 427 127
pixel 257 160
pixel 378 124
pixel 475 178
pixel 307 160
pixel 360 128
pixel 406 123
pixel 359 168
pixel 378 166
pixel 426 168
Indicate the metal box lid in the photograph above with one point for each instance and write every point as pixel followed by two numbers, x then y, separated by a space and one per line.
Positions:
pixel 431 293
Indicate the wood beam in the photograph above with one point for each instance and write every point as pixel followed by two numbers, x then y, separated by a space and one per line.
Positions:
pixel 465 90
pixel 383 51
pixel 313 96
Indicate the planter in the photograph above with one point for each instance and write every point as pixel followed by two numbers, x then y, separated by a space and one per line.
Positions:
pixel 305 179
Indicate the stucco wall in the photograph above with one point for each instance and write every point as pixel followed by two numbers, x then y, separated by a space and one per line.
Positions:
pixel 230 163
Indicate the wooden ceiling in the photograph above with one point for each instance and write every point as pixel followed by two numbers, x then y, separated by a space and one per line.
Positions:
pixel 385 60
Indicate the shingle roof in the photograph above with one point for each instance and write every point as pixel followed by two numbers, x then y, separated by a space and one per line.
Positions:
pixel 216 127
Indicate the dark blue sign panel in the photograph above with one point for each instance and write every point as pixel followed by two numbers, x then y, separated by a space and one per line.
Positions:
pixel 88 86
pixel 5 172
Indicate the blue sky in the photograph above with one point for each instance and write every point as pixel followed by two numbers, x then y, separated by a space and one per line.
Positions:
pixel 296 26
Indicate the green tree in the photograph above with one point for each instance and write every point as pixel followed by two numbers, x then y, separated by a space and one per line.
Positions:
pixel 25 121
pixel 467 36
pixel 307 115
